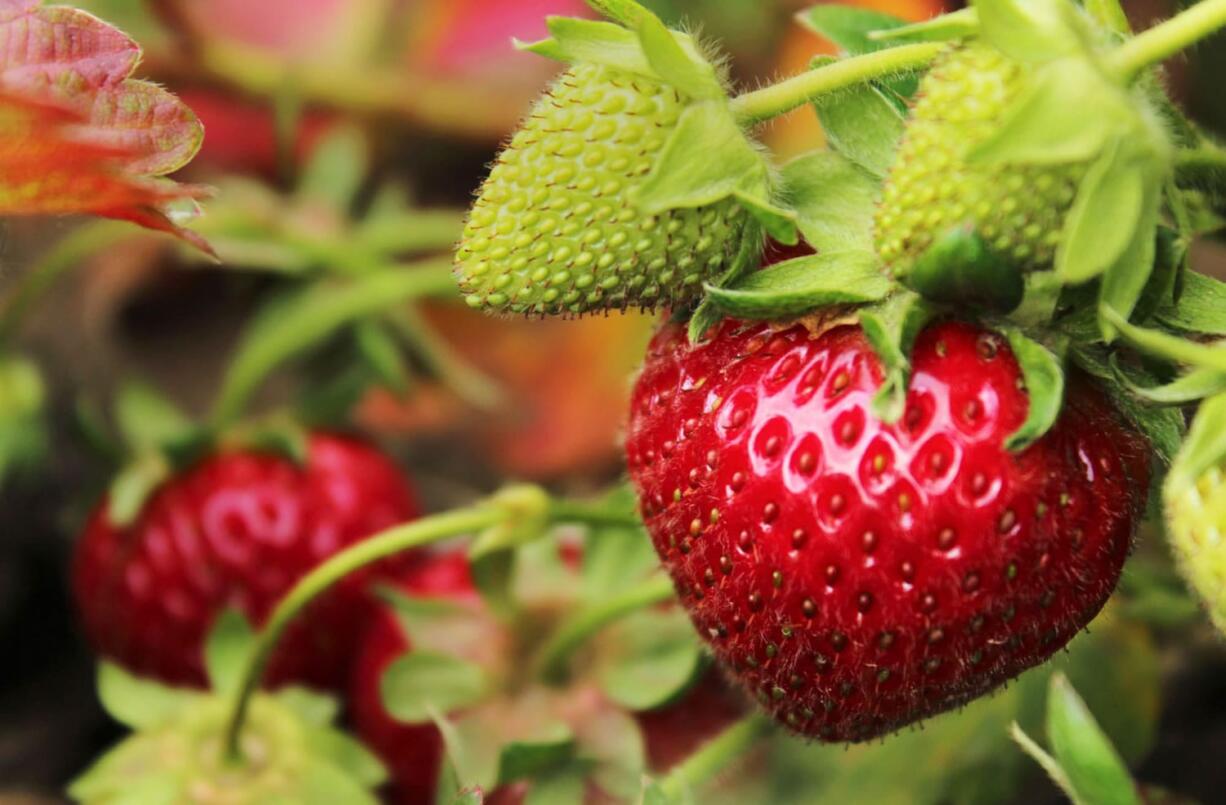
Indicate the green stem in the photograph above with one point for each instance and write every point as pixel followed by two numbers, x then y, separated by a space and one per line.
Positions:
pixel 595 515
pixel 393 541
pixel 768 102
pixel 715 756
pixel 583 625
pixel 1168 38
pixel 86 240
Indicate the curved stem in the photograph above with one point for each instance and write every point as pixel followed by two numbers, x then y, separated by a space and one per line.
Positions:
pixel 715 755
pixel 79 244
pixel 584 624
pixel 1168 38
pixel 395 540
pixel 763 104
pixel 595 515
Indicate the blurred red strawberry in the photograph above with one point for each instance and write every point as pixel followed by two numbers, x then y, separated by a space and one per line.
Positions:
pixel 238 530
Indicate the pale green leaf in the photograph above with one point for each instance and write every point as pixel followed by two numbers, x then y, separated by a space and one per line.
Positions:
pixel 863 125
pixel 382 354
pixel 323 783
pixel 1127 277
pixel 1204 447
pixel 337 167
pixel 1094 769
pixel 421 681
pixel 132 487
pixel 834 200
pixel 591 41
pixel 804 283
pixel 653 656
pixel 138 703
pixel 1029 30
pixel 347 754
pixel 958 24
pixel 147 420
pixel 1043 373
pixel 227 649
pixel 1187 388
pixel 1101 222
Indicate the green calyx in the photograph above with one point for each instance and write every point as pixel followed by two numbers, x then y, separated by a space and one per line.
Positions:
pixel 288 751
pixel 630 184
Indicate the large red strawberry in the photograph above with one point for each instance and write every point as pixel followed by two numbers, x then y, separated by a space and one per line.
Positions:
pixel 238 529
pixel 857 576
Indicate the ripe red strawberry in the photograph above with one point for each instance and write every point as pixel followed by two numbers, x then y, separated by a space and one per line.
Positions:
pixel 238 530
pixel 857 576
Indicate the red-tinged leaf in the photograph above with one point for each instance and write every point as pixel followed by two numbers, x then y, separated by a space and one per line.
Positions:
pixel 77 134
pixel 44 170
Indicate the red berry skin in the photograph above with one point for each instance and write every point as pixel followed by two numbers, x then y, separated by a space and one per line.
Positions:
pixel 856 576
pixel 412 753
pixel 238 529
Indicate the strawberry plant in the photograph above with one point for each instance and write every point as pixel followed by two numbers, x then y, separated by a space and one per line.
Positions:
pixel 925 403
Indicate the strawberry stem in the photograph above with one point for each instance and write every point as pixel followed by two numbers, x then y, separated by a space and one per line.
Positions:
pixel 715 756
pixel 777 99
pixel 1168 38
pixel 574 632
pixel 397 539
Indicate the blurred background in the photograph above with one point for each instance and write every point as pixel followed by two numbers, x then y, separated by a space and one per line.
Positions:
pixel 349 135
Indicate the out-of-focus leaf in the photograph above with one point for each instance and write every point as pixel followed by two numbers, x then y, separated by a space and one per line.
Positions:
pixel 226 650
pixel 77 134
pixel 138 702
pixel 421 681
pixel 23 432
pixel 653 656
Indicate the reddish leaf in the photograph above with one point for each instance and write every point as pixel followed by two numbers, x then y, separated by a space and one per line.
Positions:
pixel 76 133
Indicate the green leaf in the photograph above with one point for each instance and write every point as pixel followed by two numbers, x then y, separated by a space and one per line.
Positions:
pixel 1187 388
pixel 381 353
pixel 147 420
pixel 863 125
pixel 747 259
pixel 1128 276
pixel 1094 769
pixel 133 486
pixel 1201 307
pixel 1029 30
pixel 960 269
pixel 564 786
pixel 592 41
pixel 347 754
pixel 1067 113
pixel 1204 448
pixel 848 27
pixel 492 575
pixel 679 67
pixel 891 329
pixel 1049 764
pixel 656 794
pixel 314 708
pixel 1108 13
pixel 611 744
pixel 306 317
pixel 469 796
pixel 834 200
pixel 707 159
pixel 421 681
pixel 1043 373
pixel 227 649
pixel 323 783
pixel 959 24
pixel 1164 345
pixel 615 557
pixel 336 169
pixel 654 656
pixel 23 430
pixel 138 703
pixel 804 283
pixel 1100 225
pixel 524 760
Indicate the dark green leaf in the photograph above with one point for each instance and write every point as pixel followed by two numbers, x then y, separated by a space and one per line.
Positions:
pixel 492 575
pixel 834 200
pixel 1043 373
pixel 863 125
pixel 747 259
pixel 1029 30
pixel 1201 307
pixel 1094 769
pixel 421 681
pixel 891 329
pixel 382 355
pixel 227 649
pixel 523 760
pixel 960 269
pixel 138 703
pixel 804 283
pixel 1103 218
pixel 653 656
pixel 147 420
pixel 1188 388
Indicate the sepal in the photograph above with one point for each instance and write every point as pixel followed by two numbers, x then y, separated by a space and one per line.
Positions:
pixel 803 283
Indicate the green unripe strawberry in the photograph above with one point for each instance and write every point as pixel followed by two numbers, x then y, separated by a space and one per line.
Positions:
pixel 1017 210
pixel 1196 518
pixel 556 230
